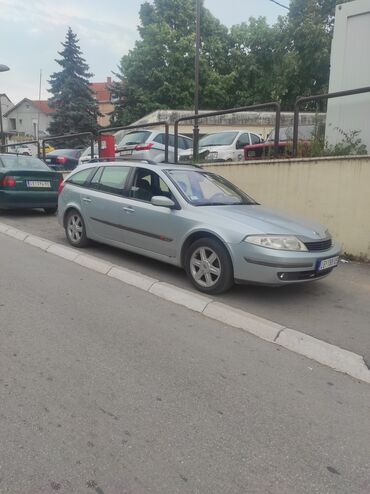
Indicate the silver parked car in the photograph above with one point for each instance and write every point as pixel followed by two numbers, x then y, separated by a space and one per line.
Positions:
pixel 145 144
pixel 192 218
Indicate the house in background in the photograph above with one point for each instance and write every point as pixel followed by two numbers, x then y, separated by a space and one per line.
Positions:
pixel 103 96
pixel 29 118
pixel 5 106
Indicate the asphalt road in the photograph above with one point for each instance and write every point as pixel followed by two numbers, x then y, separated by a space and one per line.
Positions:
pixel 107 389
pixel 335 309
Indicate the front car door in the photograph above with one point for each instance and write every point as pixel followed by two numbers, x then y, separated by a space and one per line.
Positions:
pixel 151 228
pixel 242 140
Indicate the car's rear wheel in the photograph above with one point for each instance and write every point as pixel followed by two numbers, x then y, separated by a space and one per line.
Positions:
pixel 209 267
pixel 50 210
pixel 75 229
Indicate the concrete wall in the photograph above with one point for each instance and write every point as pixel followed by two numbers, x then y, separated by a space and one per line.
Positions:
pixel 333 191
pixel 258 122
pixel 350 69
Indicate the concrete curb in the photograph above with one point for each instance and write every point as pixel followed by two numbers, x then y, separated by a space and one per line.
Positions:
pixel 180 296
pixel 267 330
pixel 93 263
pixel 132 278
pixel 320 351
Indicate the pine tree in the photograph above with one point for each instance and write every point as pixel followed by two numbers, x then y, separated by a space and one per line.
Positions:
pixel 76 110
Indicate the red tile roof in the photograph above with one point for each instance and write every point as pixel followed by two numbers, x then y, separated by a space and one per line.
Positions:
pixel 101 90
pixel 42 105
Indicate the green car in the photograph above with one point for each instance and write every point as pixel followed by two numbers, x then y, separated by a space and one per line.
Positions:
pixel 27 183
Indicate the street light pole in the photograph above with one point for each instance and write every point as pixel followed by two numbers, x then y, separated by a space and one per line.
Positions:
pixel 3 68
pixel 196 90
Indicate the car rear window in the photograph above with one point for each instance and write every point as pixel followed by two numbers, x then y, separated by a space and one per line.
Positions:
pixel 138 137
pixel 18 162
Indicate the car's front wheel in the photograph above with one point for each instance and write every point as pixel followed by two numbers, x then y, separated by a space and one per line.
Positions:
pixel 209 267
pixel 75 229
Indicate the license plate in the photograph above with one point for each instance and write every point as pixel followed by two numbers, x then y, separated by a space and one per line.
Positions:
pixel 126 153
pixel 41 184
pixel 328 263
pixel 47 160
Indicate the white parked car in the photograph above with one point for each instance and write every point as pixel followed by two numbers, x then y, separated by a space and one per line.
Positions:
pixel 145 144
pixel 223 146
pixel 24 149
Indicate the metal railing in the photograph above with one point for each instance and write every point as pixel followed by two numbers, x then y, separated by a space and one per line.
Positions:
pixel 196 117
pixel 68 136
pixel 16 144
pixel 318 97
pixel 142 126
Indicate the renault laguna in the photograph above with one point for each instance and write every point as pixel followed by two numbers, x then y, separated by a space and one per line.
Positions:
pixel 189 217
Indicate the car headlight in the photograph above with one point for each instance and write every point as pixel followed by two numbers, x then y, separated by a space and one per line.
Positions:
pixel 278 242
pixel 213 155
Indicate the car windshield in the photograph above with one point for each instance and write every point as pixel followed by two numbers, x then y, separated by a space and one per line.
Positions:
pixel 71 153
pixel 207 189
pixel 18 162
pixel 135 138
pixel 219 139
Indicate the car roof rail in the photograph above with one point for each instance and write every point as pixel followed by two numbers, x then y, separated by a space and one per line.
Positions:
pixel 121 158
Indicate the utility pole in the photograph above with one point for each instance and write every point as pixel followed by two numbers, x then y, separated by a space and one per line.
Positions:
pixel 3 68
pixel 196 91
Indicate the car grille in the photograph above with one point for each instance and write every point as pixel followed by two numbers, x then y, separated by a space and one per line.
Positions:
pixel 320 245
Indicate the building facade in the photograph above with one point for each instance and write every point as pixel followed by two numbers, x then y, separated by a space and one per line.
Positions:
pixel 29 118
pixel 350 69
pixel 103 97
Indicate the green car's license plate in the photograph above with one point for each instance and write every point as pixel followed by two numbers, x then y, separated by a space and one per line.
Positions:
pixel 40 184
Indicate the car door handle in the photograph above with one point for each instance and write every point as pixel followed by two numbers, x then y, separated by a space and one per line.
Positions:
pixel 86 199
pixel 128 209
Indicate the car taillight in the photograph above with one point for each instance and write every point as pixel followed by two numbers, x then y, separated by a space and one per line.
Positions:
pixel 144 147
pixel 8 182
pixel 61 160
pixel 60 185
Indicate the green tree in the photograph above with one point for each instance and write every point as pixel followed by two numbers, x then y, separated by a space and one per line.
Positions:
pixel 159 71
pixel 76 110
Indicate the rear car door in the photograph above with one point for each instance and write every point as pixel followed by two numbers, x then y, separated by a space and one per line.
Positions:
pixel 103 202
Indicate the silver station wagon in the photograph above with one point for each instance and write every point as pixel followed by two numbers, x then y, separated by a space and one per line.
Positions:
pixel 192 218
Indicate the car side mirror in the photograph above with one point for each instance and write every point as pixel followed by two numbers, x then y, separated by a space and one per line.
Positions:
pixel 163 201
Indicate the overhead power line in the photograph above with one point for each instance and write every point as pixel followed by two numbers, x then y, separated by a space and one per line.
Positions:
pixel 280 4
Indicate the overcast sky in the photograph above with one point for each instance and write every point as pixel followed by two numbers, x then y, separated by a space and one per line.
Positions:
pixel 31 32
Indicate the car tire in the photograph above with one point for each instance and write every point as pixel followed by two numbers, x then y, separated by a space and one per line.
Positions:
pixel 50 210
pixel 209 266
pixel 75 229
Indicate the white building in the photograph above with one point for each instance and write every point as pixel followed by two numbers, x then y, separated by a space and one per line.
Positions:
pixel 350 69
pixel 29 118
pixel 5 106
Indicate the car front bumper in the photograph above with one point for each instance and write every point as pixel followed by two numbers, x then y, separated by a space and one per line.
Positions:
pixel 256 264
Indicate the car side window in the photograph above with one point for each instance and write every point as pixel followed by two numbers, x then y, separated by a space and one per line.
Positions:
pixel 80 178
pixel 255 139
pixel 113 179
pixel 147 184
pixel 183 144
pixel 95 181
pixel 159 139
pixel 242 141
pixel 171 140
